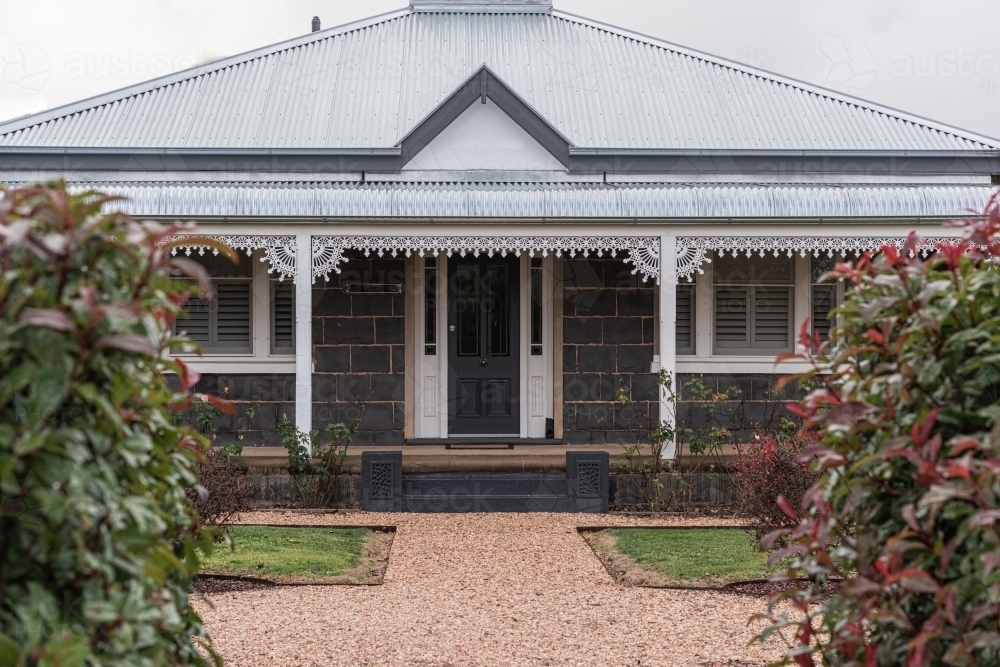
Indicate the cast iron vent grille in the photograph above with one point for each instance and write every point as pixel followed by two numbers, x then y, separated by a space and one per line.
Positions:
pixel 381 487
pixel 588 479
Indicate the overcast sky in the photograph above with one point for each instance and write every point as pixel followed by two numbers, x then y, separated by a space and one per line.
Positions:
pixel 935 58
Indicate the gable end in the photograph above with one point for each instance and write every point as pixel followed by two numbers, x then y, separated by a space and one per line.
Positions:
pixel 483 84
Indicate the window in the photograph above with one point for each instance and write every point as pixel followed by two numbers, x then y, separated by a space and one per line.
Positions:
pixel 221 324
pixel 824 295
pixel 685 319
pixel 430 306
pixel 536 306
pixel 282 317
pixel 753 304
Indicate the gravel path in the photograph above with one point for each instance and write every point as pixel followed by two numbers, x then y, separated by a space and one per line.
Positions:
pixel 483 589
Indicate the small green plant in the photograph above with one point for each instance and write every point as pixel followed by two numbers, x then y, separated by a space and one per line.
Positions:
pixel 643 472
pixel 315 475
pixel 700 448
pixel 205 415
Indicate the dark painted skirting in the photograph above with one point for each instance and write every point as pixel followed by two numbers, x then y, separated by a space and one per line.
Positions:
pixel 583 487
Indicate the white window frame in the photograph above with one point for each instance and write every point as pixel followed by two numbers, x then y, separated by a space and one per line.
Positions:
pixel 260 358
pixel 703 360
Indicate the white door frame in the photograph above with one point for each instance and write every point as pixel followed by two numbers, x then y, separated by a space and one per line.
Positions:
pixel 430 372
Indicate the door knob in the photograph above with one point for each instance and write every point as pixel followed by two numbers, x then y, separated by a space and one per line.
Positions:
pixel 482 362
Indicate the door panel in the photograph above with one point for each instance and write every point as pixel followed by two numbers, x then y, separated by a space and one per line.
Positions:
pixel 483 346
pixel 497 398
pixel 468 398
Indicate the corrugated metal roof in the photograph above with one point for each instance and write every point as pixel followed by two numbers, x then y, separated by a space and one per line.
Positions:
pixel 539 200
pixel 368 84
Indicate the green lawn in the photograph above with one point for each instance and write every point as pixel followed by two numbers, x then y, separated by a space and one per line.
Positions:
pixel 289 554
pixel 693 555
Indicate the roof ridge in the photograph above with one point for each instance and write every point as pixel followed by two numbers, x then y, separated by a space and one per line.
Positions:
pixel 916 119
pixel 149 85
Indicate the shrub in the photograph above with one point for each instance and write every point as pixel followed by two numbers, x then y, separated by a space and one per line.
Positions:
pixel 224 491
pixel 315 475
pixel 98 542
pixel 765 470
pixel 905 419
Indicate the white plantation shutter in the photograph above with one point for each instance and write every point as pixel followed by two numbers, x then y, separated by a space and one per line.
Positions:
pixel 824 299
pixel 282 316
pixel 732 319
pixel 222 325
pixel 772 309
pixel 232 309
pixel 685 319
pixel 196 320
pixel 754 303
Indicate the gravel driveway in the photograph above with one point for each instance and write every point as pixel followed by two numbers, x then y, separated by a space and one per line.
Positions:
pixel 483 589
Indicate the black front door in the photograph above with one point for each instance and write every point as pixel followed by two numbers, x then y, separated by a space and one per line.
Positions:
pixel 483 346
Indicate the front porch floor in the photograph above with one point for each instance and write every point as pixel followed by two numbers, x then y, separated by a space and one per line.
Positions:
pixel 468 458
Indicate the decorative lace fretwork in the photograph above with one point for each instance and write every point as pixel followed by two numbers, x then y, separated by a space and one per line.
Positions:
pixel 381 484
pixel 279 251
pixel 642 252
pixel 692 251
pixel 588 479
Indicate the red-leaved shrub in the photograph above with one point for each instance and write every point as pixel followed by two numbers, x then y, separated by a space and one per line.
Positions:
pixel 906 514
pixel 765 470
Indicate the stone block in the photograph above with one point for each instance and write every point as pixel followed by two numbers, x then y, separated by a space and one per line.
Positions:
pixel 583 330
pixel 595 302
pixel 370 359
pixel 582 387
pixel 623 330
pixel 238 387
pixel 389 331
pixel 634 358
pixel 635 303
pixel 324 389
pixel 349 330
pixel 569 358
pixel 399 359
pixel 354 387
pixel 331 303
pixel 598 358
pixel 373 305
pixel 387 387
pixel 332 359
pixel 580 273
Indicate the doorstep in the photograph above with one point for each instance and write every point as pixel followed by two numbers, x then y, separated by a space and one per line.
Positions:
pixel 440 459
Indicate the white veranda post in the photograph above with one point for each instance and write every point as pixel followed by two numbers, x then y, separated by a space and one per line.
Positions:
pixel 668 327
pixel 303 332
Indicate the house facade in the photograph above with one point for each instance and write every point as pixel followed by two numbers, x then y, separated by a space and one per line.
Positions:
pixel 493 219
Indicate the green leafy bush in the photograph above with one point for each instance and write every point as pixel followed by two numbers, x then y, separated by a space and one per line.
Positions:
pixel 906 511
pixel 98 542
pixel 314 465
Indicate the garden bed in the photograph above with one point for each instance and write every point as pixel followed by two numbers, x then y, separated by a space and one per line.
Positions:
pixel 267 556
pixel 699 558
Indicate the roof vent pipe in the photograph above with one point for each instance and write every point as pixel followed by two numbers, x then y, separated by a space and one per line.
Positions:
pixel 315 24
